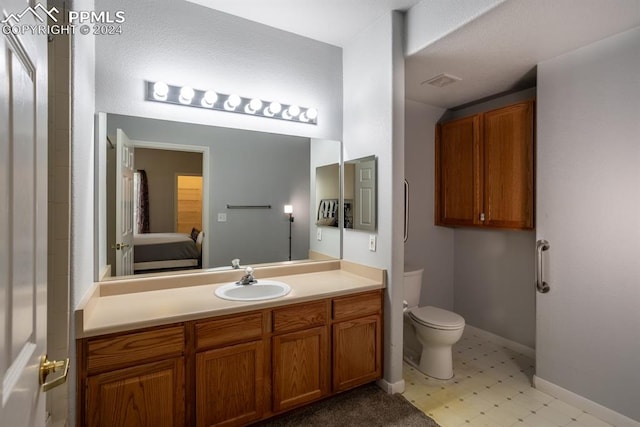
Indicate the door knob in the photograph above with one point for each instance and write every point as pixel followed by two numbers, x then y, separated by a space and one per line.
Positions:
pixel 48 366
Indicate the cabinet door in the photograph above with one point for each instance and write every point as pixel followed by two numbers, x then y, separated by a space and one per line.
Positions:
pixel 147 395
pixel 356 352
pixel 300 367
pixel 458 172
pixel 508 166
pixel 229 385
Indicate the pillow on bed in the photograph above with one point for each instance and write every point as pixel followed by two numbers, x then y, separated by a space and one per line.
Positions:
pixel 194 234
pixel 199 240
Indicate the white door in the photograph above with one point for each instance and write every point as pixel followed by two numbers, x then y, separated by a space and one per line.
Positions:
pixel 124 205
pixel 23 220
pixel 365 195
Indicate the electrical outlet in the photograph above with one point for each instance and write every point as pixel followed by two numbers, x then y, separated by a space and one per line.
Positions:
pixel 372 242
pixel 222 217
pixel 319 234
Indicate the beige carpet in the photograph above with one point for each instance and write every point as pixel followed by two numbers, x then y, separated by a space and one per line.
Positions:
pixel 367 406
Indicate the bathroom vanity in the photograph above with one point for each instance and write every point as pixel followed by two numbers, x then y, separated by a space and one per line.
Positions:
pixel 168 352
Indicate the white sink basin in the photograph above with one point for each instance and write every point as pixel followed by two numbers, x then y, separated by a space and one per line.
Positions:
pixel 264 289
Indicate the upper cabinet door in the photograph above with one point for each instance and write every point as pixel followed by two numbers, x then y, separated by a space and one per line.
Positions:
pixel 458 172
pixel 508 166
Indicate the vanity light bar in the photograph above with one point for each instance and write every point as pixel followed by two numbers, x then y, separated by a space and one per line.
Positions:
pixel 233 103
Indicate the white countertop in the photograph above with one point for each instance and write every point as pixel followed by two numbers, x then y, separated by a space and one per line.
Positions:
pixel 102 314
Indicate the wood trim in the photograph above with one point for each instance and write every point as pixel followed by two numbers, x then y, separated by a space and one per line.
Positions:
pixel 357 305
pixel 478 173
pixel 228 330
pixel 299 316
pixel 437 214
pixel 190 374
pixel 117 351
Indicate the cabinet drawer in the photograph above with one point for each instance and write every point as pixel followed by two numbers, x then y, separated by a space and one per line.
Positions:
pixel 127 349
pixel 228 330
pixel 300 317
pixel 357 305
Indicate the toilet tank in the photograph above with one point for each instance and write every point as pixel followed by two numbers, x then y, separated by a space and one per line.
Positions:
pixel 412 286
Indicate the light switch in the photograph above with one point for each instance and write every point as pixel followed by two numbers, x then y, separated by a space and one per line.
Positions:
pixel 372 242
pixel 222 217
pixel 319 234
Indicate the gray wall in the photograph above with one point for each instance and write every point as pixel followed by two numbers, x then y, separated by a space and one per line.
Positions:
pixel 494 276
pixel 81 256
pixel 428 247
pixel 246 168
pixel 161 167
pixel 374 125
pixel 588 334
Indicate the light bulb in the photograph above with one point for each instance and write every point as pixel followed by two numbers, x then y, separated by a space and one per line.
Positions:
pixel 186 95
pixel 311 113
pixel 273 109
pixel 288 209
pixel 232 102
pixel 210 97
pixel 293 110
pixel 160 90
pixel 253 106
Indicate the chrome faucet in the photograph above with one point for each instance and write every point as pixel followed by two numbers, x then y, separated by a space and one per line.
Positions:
pixel 248 278
pixel 235 263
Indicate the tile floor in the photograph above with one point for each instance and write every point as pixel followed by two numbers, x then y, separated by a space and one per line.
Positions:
pixel 491 387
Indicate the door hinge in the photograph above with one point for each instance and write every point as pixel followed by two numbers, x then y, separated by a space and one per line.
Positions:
pixel 119 246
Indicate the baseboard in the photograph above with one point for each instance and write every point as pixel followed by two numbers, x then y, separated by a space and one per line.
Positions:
pixel 602 412
pixel 391 388
pixel 512 345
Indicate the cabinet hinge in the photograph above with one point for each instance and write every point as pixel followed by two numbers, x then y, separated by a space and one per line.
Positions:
pixel 482 216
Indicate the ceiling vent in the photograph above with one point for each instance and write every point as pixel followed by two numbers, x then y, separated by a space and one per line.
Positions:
pixel 442 80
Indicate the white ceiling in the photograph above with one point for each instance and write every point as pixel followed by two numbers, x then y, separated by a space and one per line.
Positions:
pixel 498 51
pixel 330 21
pixel 494 53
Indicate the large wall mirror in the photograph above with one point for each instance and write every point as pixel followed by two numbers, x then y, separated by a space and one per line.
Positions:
pixel 175 196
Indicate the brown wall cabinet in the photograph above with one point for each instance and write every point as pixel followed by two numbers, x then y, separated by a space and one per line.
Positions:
pixel 485 169
pixel 230 370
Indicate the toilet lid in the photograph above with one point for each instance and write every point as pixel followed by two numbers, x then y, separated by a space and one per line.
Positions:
pixel 437 318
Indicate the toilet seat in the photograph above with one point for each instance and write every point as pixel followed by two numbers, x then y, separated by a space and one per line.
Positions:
pixel 437 318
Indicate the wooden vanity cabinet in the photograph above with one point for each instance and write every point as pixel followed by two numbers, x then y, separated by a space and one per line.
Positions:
pixel 357 340
pixel 136 379
pixel 230 370
pixel 300 354
pixel 485 169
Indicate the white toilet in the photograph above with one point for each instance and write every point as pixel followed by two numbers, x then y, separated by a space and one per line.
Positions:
pixel 429 332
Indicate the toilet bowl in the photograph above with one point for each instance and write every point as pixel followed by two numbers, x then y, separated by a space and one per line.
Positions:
pixel 434 329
